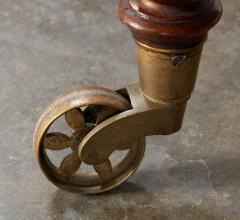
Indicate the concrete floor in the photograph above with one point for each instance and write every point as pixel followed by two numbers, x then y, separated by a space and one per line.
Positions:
pixel 48 46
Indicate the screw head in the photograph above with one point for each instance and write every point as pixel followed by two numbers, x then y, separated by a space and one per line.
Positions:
pixel 178 60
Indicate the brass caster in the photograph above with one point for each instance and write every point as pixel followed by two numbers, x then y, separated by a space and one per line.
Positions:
pixel 83 110
pixel 169 36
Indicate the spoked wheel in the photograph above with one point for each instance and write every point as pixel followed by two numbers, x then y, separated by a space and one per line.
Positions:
pixel 83 109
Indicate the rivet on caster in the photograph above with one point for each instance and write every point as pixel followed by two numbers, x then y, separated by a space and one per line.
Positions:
pixel 169 36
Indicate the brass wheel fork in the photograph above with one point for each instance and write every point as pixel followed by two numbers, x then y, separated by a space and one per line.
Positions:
pixel 103 121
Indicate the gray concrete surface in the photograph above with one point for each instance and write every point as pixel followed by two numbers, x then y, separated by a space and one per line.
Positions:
pixel 48 46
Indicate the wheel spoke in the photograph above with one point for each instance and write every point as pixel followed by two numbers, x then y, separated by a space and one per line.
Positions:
pixel 75 119
pixel 57 141
pixel 104 170
pixel 70 165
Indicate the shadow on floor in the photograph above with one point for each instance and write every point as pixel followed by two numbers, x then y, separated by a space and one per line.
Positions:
pixel 145 199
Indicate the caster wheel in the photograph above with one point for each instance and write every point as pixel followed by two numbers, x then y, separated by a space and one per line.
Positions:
pixel 80 110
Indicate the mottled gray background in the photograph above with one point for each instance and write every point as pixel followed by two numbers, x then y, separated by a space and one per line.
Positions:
pixel 47 46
